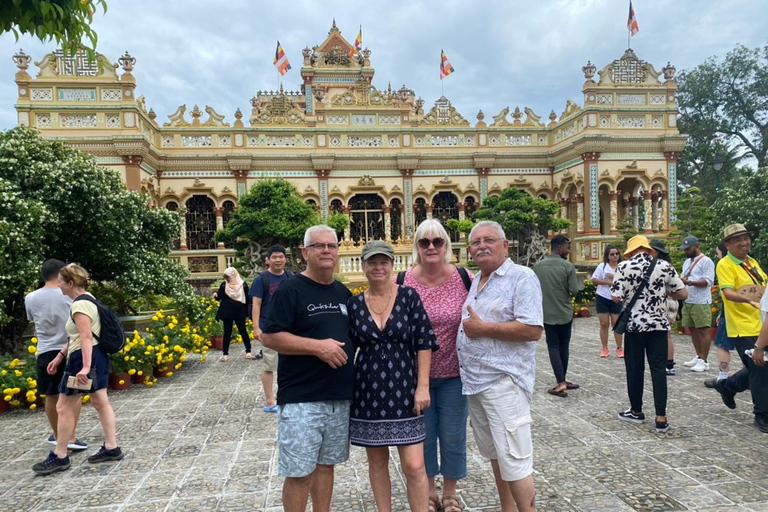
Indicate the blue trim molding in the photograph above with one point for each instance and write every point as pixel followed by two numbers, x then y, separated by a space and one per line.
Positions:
pixel 593 207
pixel 672 185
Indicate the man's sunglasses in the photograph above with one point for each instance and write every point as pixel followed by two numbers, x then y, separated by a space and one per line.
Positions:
pixel 438 242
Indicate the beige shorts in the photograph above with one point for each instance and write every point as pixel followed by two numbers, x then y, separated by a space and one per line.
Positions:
pixel 270 359
pixel 500 418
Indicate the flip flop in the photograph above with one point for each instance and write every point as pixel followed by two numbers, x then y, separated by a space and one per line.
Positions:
pixel 248 355
pixel 224 359
pixel 561 394
pixel 571 385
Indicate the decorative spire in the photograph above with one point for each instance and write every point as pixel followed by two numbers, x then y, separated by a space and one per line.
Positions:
pixel 127 62
pixel 22 60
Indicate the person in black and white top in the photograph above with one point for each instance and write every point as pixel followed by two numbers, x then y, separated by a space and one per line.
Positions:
pixel 647 327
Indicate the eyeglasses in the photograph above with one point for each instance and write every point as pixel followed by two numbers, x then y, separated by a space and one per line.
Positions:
pixel 487 241
pixel 438 242
pixel 320 247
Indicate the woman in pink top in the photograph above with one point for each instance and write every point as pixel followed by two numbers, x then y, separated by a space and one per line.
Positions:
pixel 443 289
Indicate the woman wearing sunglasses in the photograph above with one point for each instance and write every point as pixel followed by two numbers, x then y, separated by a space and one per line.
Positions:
pixel 607 310
pixel 443 289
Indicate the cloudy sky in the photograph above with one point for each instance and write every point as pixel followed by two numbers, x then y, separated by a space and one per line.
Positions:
pixel 506 53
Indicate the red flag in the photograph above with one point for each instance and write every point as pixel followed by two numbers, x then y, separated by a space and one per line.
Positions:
pixel 632 21
pixel 281 61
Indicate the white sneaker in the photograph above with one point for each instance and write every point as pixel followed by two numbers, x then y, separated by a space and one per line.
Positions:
pixel 700 366
pixel 692 362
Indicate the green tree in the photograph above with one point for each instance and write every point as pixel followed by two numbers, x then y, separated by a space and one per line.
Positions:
pixel 743 202
pixel 84 214
pixel 724 109
pixel 272 212
pixel 526 221
pixel 65 21
pixel 460 226
pixel 338 221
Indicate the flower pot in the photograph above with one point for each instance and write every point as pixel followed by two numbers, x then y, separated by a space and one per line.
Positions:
pixel 138 379
pixel 584 313
pixel 4 406
pixel 114 381
pixel 217 342
pixel 163 373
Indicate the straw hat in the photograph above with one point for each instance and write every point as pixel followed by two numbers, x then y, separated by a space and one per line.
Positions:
pixel 735 230
pixel 637 242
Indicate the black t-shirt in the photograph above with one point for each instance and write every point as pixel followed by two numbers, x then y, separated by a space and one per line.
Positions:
pixel 306 308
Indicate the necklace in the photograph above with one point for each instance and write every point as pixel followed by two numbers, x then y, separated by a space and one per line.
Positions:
pixel 370 302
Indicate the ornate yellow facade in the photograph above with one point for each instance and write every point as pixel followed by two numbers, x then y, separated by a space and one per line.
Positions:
pixel 377 155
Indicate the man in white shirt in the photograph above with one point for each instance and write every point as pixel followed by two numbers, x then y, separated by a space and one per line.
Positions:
pixel 698 276
pixel 502 319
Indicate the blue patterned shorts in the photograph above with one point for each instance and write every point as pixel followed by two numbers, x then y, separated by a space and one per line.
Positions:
pixel 312 433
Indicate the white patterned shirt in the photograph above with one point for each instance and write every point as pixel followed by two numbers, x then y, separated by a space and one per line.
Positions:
pixel 704 269
pixel 512 293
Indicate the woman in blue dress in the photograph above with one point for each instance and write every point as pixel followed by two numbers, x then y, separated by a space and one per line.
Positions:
pixel 395 342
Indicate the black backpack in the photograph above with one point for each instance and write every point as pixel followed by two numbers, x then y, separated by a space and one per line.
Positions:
pixel 462 272
pixel 112 338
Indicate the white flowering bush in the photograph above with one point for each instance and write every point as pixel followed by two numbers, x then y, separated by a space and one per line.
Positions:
pixel 57 203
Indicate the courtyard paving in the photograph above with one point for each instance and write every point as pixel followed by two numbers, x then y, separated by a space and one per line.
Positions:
pixel 200 441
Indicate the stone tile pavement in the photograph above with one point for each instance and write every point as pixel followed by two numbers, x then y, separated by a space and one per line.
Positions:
pixel 200 441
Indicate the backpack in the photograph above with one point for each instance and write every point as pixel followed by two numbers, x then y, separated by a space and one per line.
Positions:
pixel 265 281
pixel 112 338
pixel 462 272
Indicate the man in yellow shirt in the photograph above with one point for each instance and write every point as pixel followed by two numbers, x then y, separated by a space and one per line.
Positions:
pixel 742 319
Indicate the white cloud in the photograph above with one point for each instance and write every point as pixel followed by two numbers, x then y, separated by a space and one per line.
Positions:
pixel 506 53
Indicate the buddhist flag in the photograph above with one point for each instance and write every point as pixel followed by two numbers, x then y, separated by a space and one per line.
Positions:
pixel 358 43
pixel 632 21
pixel 281 61
pixel 445 66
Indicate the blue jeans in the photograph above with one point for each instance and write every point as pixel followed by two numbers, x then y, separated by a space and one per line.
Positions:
pixel 446 421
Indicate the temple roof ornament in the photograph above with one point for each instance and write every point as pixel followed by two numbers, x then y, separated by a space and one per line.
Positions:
pixel 552 119
pixel 56 64
pixel 366 181
pixel 276 108
pixel 629 70
pixel 196 114
pixel 500 119
pixel 177 118
pixel 238 118
pixel 532 119
pixel 443 113
pixel 669 72
pixel 127 62
pixel 480 122
pixel 570 108
pixel 214 118
pixel 589 71
pixel 22 60
pixel 517 115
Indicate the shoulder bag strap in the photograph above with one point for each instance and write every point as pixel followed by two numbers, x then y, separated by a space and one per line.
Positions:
pixel 464 277
pixel 643 284
pixel 690 269
pixel 400 277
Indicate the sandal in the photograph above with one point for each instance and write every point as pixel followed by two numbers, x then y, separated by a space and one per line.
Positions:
pixel 451 504
pixel 224 359
pixel 555 392
pixel 434 504
pixel 248 355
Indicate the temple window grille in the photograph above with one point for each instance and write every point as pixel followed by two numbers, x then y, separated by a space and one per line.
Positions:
pixel 366 221
pixel 443 110
pixel 336 206
pixel 396 219
pixel 420 211
pixel 229 208
pixel 172 206
pixel 444 208
pixel 470 208
pixel 201 223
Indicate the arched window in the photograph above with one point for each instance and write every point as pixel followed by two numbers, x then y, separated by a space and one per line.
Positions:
pixel 312 203
pixel 419 211
pixel 201 223
pixel 173 206
pixel 396 219
pixel 444 208
pixel 336 206
pixel 470 208
pixel 366 217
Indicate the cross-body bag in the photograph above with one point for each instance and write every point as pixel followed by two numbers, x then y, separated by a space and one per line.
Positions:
pixel 755 290
pixel 693 265
pixel 623 321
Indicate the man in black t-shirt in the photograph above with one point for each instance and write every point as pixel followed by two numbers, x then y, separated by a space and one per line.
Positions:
pixel 308 326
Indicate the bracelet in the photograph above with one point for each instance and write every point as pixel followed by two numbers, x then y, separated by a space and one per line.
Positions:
pixel 62 354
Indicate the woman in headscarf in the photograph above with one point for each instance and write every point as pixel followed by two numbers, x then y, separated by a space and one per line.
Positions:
pixel 233 308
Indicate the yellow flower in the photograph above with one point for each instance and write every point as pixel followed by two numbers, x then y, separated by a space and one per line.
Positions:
pixel 33 341
pixel 16 390
pixel 33 407
pixel 154 319
pixel 169 374
pixel 18 373
pixel 4 372
pixel 15 403
pixel 86 398
pixel 140 373
pixel 132 371
pixel 32 384
pixel 121 382
pixel 7 398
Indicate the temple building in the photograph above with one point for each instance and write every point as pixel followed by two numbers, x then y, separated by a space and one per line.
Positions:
pixel 378 155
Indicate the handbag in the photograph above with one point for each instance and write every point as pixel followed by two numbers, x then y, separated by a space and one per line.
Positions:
pixel 620 327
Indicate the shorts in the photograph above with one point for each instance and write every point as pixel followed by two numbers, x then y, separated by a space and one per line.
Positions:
pixel 500 418
pixel 99 371
pixel 721 338
pixel 312 433
pixel 697 316
pixel 269 360
pixel 48 384
pixel 603 305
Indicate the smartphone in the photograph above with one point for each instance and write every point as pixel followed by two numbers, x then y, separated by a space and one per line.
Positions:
pixel 72 384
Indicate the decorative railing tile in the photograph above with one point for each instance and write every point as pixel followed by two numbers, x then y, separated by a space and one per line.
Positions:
pixel 418 142
pixel 469 140
pixel 542 140
pixel 334 141
pixel 225 141
pixel 630 121
pixel 113 120
pixel 43 120
pixel 658 99
pixel 605 121
pixel 41 94
pixel 493 140
pixel 393 141
pixel 111 95
pixel 253 141
pixel 200 141
pixel 445 140
pixel 518 140
pixel 389 120
pixel 605 99
pixel 167 141
pixel 77 120
pixel 569 131
pixel 280 141
pixel 356 141
pixel 331 119
pixel 656 122
pixel 308 142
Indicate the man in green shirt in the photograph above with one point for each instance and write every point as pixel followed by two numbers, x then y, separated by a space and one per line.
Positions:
pixel 558 281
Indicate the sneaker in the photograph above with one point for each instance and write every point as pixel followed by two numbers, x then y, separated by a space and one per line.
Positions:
pixel 728 398
pixel 620 352
pixel 604 352
pixel 77 445
pixel 52 440
pixel 662 427
pixel 700 366
pixel 710 383
pixel 692 362
pixel 104 455
pixel 258 356
pixel 628 415
pixel 270 408
pixel 51 465
pixel 761 426
pixel 671 371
